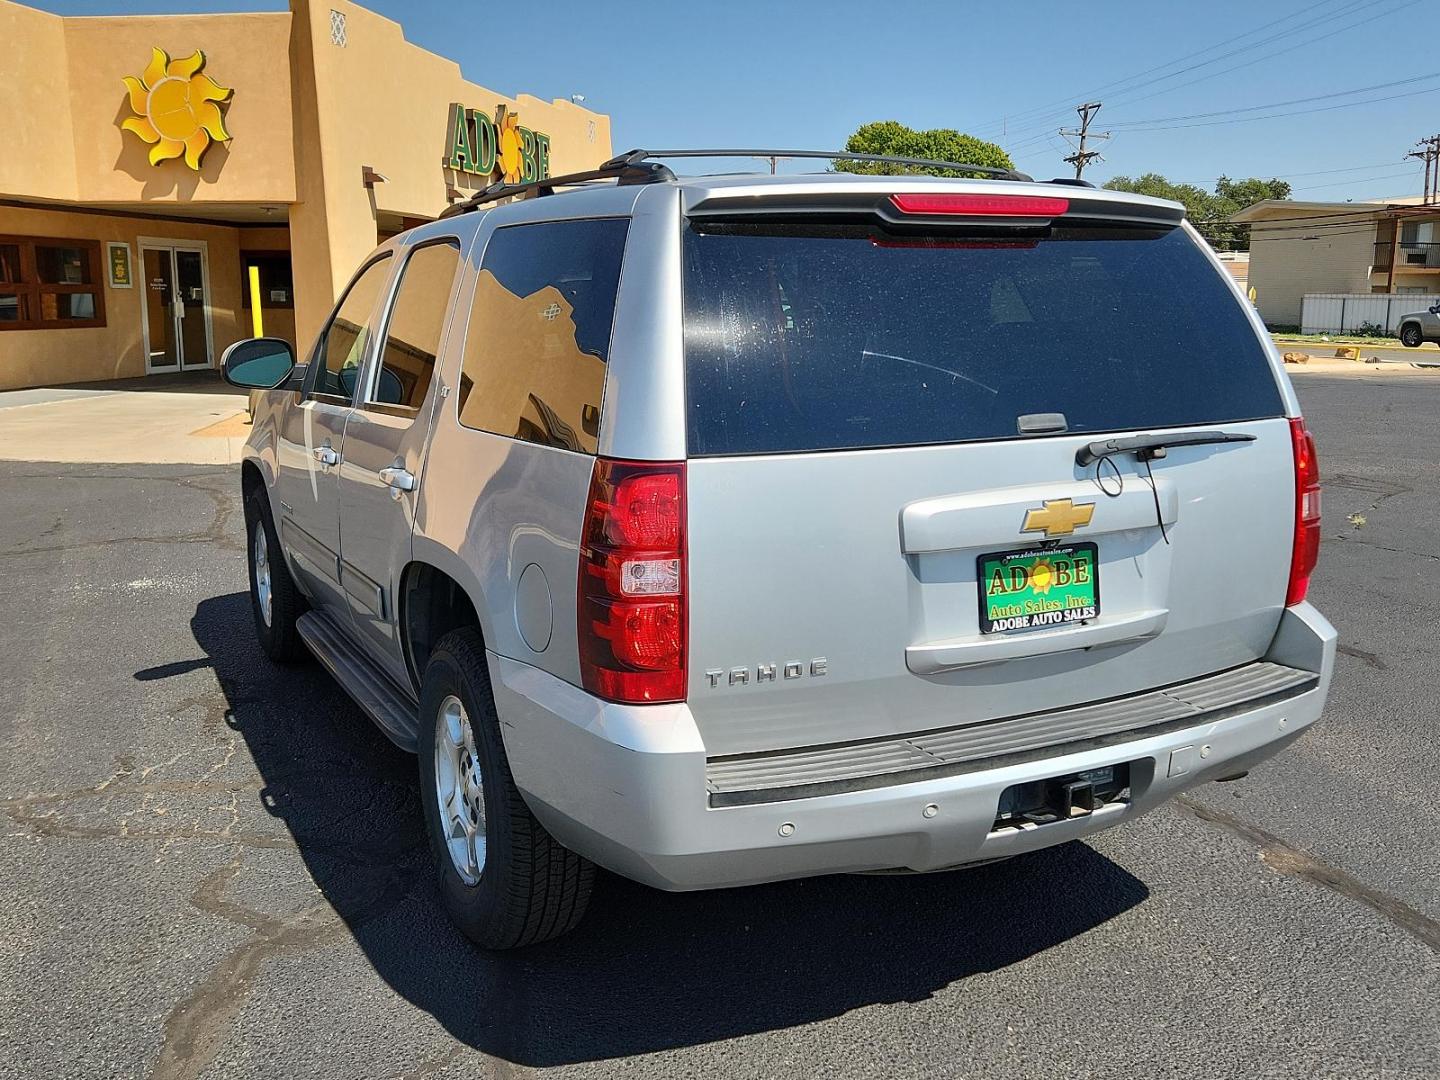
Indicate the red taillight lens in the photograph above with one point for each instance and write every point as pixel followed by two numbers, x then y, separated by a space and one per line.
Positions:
pixel 952 203
pixel 632 582
pixel 1306 551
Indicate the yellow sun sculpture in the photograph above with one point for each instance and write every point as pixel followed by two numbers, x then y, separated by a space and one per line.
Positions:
pixel 175 108
pixel 512 150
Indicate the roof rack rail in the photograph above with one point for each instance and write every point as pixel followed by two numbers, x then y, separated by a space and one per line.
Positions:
pixel 639 167
pixel 840 155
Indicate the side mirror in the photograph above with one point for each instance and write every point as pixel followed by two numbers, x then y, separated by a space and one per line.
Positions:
pixel 258 363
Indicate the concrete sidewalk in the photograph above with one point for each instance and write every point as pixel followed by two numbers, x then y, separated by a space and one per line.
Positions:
pixel 132 426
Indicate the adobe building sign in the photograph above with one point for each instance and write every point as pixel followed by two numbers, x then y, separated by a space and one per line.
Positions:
pixel 177 108
pixel 495 149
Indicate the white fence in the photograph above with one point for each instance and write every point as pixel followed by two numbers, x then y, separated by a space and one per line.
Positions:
pixel 1333 313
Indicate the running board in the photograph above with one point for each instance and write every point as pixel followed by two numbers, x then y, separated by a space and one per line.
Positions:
pixel 392 711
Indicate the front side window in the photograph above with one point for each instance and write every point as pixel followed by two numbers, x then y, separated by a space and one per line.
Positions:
pixel 539 333
pixel 417 319
pixel 50 284
pixel 342 349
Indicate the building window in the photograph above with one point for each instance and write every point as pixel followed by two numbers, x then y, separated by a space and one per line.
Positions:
pixel 50 284
pixel 277 285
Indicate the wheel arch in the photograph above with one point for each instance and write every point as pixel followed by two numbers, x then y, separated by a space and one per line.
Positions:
pixel 432 602
pixel 251 477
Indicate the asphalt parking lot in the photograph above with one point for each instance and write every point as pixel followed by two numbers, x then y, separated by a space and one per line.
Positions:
pixel 212 866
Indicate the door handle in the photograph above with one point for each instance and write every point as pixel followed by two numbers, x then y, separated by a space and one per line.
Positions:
pixel 398 480
pixel 326 455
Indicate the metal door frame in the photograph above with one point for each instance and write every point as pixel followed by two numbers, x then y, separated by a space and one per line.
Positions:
pixel 202 248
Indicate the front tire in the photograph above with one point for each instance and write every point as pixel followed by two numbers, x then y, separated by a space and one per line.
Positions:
pixel 275 600
pixel 505 881
pixel 1410 336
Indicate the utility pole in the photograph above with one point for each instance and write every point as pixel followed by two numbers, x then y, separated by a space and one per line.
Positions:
pixel 1429 152
pixel 1082 156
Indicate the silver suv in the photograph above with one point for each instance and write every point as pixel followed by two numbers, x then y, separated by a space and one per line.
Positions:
pixel 727 529
pixel 1418 327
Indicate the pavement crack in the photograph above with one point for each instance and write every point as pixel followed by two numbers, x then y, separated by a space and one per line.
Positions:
pixel 1353 538
pixel 432 1065
pixel 197 1027
pixel 1367 657
pixel 1288 859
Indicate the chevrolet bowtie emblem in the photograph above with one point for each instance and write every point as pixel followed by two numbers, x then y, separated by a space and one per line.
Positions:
pixel 1058 517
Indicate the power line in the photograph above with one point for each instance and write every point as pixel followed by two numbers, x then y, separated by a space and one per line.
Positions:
pixel 1293 112
pixel 1330 219
pixel 1279 104
pixel 1358 180
pixel 1349 9
pixel 1333 229
pixel 1303 43
pixel 1052 107
pixel 1290 175
pixel 1291 48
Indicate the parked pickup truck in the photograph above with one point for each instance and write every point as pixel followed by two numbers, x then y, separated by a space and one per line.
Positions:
pixel 728 529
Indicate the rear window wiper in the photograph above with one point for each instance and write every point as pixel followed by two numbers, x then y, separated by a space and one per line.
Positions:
pixel 1149 447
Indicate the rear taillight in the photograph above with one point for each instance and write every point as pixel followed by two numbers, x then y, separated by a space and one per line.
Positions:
pixel 1307 513
pixel 632 582
pixel 969 205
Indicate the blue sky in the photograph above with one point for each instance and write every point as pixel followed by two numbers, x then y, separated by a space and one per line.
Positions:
pixel 805 74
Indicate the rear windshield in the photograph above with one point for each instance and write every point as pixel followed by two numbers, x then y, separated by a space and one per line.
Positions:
pixel 838 337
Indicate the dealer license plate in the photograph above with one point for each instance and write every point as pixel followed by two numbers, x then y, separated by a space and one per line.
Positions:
pixel 1038 587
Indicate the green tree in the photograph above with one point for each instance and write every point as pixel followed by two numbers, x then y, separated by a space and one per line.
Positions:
pixel 1245 192
pixel 893 138
pixel 1209 210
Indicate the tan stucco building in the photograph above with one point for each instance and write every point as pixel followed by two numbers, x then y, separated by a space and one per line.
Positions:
pixel 160 171
pixel 1318 248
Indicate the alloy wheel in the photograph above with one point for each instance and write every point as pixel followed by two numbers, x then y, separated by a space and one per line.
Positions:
pixel 460 790
pixel 262 572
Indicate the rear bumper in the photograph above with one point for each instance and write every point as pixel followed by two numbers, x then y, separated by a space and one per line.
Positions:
pixel 626 786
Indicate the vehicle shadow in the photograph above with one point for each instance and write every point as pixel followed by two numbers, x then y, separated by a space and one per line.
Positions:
pixel 646 971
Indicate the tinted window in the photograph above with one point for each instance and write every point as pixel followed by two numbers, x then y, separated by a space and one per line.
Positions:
pixel 342 350
pixel 417 318
pixel 539 332
pixel 836 337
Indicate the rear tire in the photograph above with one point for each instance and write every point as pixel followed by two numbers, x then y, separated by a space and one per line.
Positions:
pixel 1410 336
pixel 505 881
pixel 275 601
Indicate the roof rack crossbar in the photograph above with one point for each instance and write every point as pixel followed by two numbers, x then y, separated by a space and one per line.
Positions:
pixel 617 169
pixel 637 156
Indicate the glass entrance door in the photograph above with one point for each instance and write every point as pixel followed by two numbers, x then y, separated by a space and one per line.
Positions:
pixel 192 316
pixel 177 314
pixel 162 350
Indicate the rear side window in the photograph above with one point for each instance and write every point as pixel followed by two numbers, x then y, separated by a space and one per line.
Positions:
pixel 539 335
pixel 838 337
pixel 417 319
pixel 342 350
